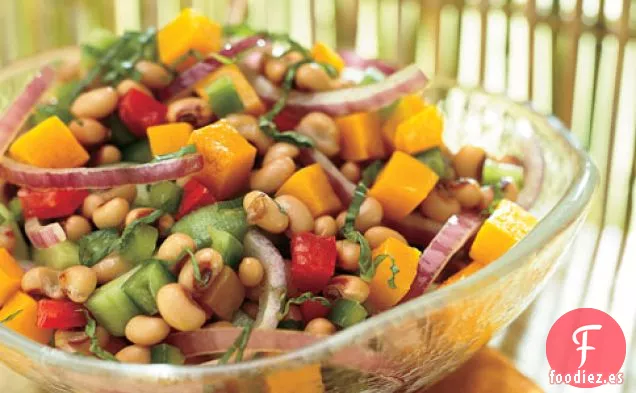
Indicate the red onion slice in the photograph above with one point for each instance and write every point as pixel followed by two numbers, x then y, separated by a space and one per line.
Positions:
pixel 450 239
pixel 534 169
pixel 341 185
pixel 275 283
pixel 94 178
pixel 218 340
pixel 200 70
pixel 44 236
pixel 350 100
pixel 19 110
pixel 353 60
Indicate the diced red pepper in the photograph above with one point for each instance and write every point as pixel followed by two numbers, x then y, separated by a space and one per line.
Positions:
pixel 60 314
pixel 313 261
pixel 313 309
pixel 45 204
pixel 195 195
pixel 288 119
pixel 139 111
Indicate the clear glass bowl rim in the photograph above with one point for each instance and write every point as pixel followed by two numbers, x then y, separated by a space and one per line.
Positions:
pixel 567 210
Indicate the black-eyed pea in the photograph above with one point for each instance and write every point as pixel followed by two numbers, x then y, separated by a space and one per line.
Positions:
pixel 42 281
pixel 111 214
pixel 439 206
pixel 468 161
pixel 251 272
pixel 95 104
pixel 146 331
pixel 134 354
pixel 89 132
pixel 91 203
pixel 320 327
pixel 351 171
pixel 106 155
pixel 347 287
pixel 247 126
pixel 280 150
pixel 210 264
pixel 378 234
pixel 164 224
pixel 300 217
pixel 192 110
pixel 325 226
pixel 264 212
pixel 78 283
pixel 136 214
pixel 76 227
pixel 313 77
pixel 323 130
pixel 371 213
pixel 467 192
pixel 348 255
pixel 153 75
pixel 126 85
pixel 174 247
pixel 272 175
pixel 178 309
pixel 110 268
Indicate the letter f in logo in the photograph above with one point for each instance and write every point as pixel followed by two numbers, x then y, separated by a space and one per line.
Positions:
pixel 583 344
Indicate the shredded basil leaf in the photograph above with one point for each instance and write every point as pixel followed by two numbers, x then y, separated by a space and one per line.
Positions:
pixel 195 267
pixel 498 196
pixel 184 151
pixel 238 346
pixel 394 268
pixel 305 297
pixel 95 348
pixel 97 245
pixel 11 316
pixel 329 69
pixel 221 59
pixel 130 228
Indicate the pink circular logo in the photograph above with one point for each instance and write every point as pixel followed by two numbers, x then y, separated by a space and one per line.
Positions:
pixel 586 348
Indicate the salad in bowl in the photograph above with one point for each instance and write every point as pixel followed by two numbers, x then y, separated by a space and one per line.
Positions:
pixel 199 196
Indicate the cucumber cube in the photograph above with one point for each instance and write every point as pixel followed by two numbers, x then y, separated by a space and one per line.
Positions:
pixel 166 354
pixel 165 195
pixel 141 244
pixel 197 223
pixel 142 287
pixel 59 256
pixel 228 246
pixel 223 97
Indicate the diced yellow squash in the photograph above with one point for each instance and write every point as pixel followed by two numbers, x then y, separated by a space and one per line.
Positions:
pixel 228 157
pixel 10 276
pixel 508 224
pixel 322 53
pixel 471 269
pixel 360 136
pixel 420 132
pixel 407 107
pixel 49 144
pixel 251 101
pixel 25 322
pixel 306 379
pixel 188 31
pixel 168 138
pixel 402 185
pixel 312 187
pixel 381 295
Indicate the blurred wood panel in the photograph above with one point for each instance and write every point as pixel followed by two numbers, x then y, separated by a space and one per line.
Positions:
pixel 573 58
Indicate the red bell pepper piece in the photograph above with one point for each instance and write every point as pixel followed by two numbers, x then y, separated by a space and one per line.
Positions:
pixel 288 119
pixel 313 261
pixel 139 111
pixel 60 314
pixel 195 195
pixel 45 204
pixel 312 309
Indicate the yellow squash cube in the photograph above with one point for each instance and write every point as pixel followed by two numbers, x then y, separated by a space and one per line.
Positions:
pixel 381 295
pixel 251 101
pixel 306 379
pixel 49 144
pixel 322 53
pixel 228 157
pixel 508 224
pixel 188 31
pixel 25 322
pixel 311 185
pixel 168 138
pixel 420 132
pixel 360 137
pixel 10 276
pixel 402 185
pixel 407 107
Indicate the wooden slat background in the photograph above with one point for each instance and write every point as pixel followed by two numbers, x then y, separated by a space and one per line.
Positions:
pixel 574 58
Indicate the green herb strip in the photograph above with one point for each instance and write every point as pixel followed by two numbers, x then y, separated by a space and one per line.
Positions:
pixel 195 268
pixel 95 348
pixel 11 317
pixel 184 151
pixel 238 346
pixel 305 297
pixel 368 266
pixel 498 196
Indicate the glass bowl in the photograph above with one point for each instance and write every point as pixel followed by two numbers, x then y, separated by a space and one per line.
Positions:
pixel 406 348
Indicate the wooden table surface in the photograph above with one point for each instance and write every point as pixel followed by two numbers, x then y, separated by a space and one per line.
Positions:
pixel 487 372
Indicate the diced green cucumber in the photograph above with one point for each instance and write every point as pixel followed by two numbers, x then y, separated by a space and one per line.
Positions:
pixel 435 160
pixel 197 223
pixel 141 244
pixel 165 195
pixel 143 196
pixel 111 307
pixel 142 287
pixel 230 248
pixel 21 249
pixel 345 313
pixel 223 97
pixel 137 152
pixel 59 257
pixel 372 75
pixel 166 354
pixel 96 43
pixel 15 207
pixel 119 134
pixel 494 172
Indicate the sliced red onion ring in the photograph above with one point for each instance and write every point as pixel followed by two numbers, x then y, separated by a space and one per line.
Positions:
pixel 341 185
pixel 416 229
pixel 534 169
pixel 353 60
pixel 218 340
pixel 19 110
pixel 44 236
pixel 200 70
pixel 94 178
pixel 450 239
pixel 350 100
pixel 275 283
